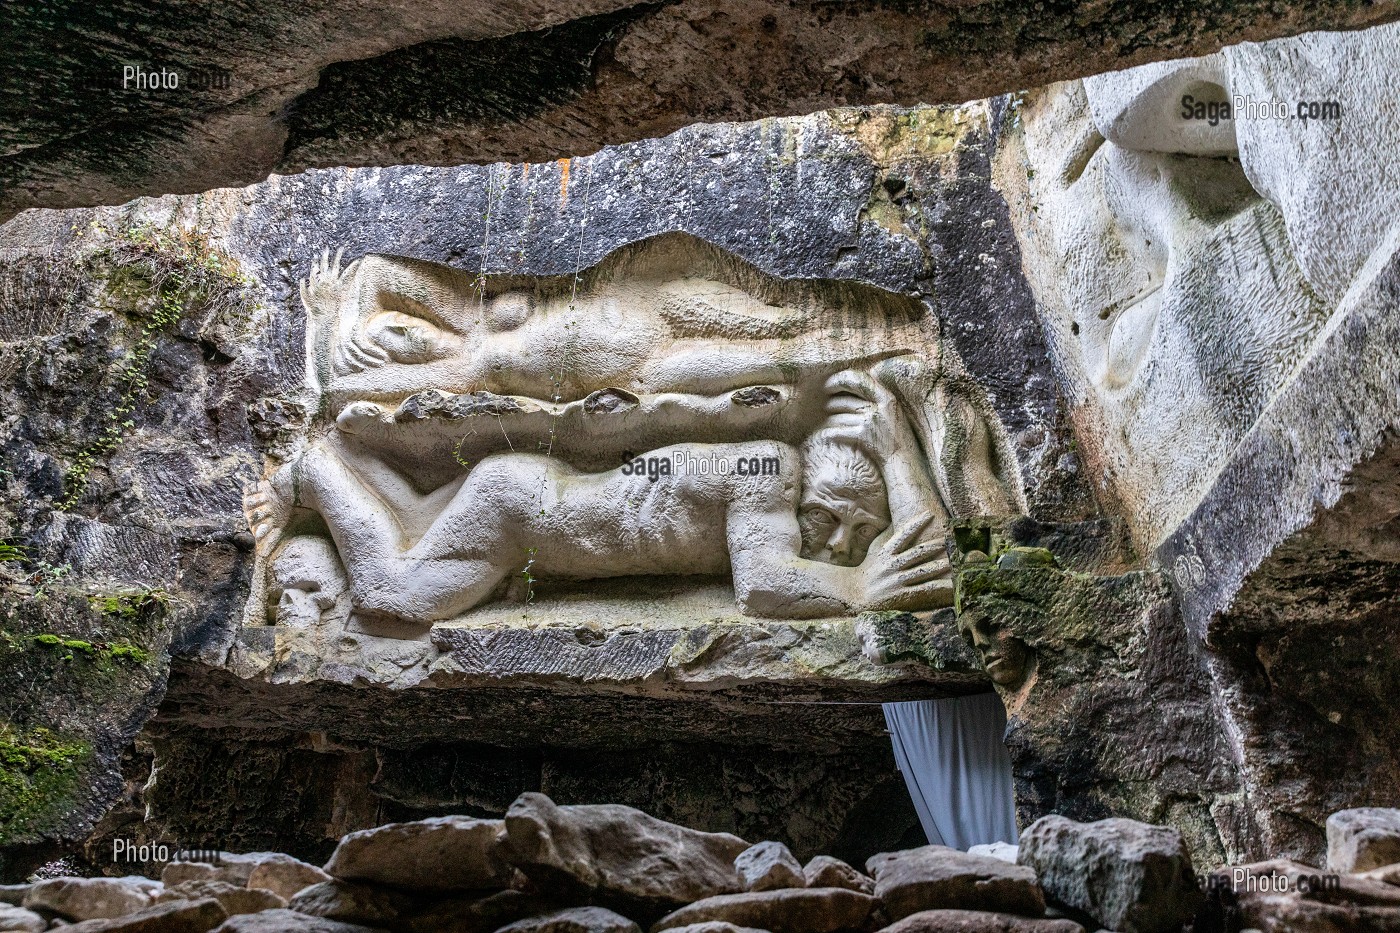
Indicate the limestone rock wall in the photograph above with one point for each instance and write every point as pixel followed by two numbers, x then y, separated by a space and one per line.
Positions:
pixel 1221 301
pixel 148 397
pixel 1119 393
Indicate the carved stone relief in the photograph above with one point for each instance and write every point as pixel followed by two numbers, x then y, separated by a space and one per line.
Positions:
pixel 672 413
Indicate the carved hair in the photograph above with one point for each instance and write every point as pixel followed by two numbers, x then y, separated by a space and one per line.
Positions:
pixel 854 473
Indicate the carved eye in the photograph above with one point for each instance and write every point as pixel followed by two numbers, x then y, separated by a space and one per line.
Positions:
pixel 819 516
pixel 867 532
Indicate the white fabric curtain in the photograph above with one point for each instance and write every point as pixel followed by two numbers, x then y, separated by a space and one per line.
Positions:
pixel 956 766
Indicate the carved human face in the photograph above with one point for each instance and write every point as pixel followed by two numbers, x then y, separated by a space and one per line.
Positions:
pixel 843 506
pixel 306 580
pixel 1003 654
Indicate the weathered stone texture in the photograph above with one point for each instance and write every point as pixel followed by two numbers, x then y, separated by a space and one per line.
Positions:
pixel 1127 875
pixel 431 82
pixel 940 878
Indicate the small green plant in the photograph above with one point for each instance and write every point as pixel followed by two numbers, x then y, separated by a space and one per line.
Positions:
pixel 172 270
pixel 10 553
pixel 127 607
pixel 74 648
pixel 527 576
pixel 46 575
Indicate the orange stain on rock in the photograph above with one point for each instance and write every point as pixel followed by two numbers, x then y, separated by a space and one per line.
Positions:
pixel 563 182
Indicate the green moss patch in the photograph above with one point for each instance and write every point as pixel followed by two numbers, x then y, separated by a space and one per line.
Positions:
pixel 39 777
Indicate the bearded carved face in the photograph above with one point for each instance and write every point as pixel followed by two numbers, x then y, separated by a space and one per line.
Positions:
pixel 843 508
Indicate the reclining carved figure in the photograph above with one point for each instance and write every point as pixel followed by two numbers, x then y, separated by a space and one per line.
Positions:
pixel 836 528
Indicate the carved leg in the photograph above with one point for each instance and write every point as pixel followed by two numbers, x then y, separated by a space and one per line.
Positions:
pixel 385 576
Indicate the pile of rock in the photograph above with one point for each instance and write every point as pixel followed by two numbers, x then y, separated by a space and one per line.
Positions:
pixel 613 869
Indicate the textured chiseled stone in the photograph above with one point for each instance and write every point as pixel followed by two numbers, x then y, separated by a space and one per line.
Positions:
pixel 979 921
pixel 288 921
pixel 90 898
pixel 285 876
pixel 232 898
pixel 197 916
pixel 618 854
pixel 574 920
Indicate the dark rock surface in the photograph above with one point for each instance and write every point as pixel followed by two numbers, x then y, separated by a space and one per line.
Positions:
pixel 264 88
pixel 1131 679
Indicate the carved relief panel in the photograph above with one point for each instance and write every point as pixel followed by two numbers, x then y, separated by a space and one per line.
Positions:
pixel 672 421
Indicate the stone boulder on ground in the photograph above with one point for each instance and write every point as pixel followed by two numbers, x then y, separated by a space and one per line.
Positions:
pixel 232 898
pixel 617 855
pixel 574 920
pixel 1131 877
pixel 769 866
pixel 233 867
pixel 285 876
pixel 978 921
pixel 823 871
pixel 1363 839
pixel 14 893
pixel 90 898
pixel 352 902
pixel 795 910
pixel 288 921
pixel 940 878
pixel 18 920
pixel 449 853
pixel 198 916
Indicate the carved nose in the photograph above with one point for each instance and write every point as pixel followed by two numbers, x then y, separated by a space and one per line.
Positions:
pixel 840 542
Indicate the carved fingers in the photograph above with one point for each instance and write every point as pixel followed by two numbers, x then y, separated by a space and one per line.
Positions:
pixel 266 511
pixel 863 413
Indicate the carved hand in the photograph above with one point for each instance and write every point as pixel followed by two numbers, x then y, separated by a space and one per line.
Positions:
pixel 865 414
pixel 904 572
